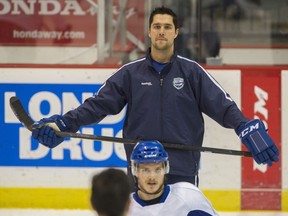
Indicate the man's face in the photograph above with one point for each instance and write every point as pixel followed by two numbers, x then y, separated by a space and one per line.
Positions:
pixel 151 178
pixel 162 32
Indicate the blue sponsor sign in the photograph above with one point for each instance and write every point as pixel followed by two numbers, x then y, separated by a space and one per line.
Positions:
pixel 18 148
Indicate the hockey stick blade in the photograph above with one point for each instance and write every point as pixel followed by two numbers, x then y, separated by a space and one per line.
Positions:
pixel 25 119
pixel 20 113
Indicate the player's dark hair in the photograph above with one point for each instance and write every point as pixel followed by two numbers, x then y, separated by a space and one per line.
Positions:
pixel 163 10
pixel 110 192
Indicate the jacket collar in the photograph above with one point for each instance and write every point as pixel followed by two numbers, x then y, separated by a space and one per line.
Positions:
pixel 148 56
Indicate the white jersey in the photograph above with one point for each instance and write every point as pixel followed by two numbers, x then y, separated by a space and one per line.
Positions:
pixel 179 199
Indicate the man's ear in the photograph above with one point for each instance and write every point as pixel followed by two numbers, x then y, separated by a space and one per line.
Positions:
pixel 176 32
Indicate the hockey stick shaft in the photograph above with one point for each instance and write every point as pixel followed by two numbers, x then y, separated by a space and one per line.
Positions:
pixel 25 119
pixel 166 145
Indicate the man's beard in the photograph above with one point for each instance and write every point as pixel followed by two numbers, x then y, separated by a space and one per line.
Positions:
pixel 161 48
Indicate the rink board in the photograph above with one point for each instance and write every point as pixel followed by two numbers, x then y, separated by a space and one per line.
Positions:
pixel 30 173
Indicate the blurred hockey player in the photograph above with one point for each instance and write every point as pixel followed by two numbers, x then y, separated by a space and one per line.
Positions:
pixel 153 196
pixel 110 193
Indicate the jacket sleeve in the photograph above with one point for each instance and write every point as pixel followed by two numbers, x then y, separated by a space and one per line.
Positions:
pixel 109 100
pixel 214 101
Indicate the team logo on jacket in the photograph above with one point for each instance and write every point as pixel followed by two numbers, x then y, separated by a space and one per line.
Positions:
pixel 178 82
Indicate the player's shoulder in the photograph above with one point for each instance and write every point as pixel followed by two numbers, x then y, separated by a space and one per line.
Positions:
pixel 134 63
pixel 189 63
pixel 185 60
pixel 128 67
pixel 188 193
pixel 180 186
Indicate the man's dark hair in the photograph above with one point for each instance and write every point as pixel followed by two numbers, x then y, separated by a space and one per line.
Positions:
pixel 110 192
pixel 163 10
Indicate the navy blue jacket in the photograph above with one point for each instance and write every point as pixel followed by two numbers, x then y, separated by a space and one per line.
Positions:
pixel 166 107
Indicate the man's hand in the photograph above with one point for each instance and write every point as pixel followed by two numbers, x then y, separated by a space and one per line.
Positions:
pixel 44 130
pixel 254 136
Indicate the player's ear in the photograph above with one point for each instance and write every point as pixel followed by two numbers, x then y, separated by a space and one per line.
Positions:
pixel 149 32
pixel 176 32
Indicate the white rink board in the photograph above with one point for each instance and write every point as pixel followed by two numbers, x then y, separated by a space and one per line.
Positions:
pixel 216 169
pixel 284 126
pixel 42 177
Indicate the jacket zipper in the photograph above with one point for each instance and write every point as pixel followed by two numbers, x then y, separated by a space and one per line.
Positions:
pixel 161 108
pixel 161 83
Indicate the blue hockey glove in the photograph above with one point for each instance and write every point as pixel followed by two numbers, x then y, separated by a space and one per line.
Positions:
pixel 44 130
pixel 254 136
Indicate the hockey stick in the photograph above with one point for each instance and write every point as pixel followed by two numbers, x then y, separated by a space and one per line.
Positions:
pixel 25 119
